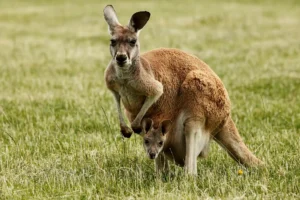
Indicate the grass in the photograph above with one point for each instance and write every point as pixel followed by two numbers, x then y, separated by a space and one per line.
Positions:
pixel 59 135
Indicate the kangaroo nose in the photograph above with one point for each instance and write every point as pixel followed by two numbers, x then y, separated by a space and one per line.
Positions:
pixel 152 155
pixel 121 58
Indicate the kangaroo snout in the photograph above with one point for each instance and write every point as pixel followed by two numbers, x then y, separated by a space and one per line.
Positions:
pixel 121 59
pixel 152 155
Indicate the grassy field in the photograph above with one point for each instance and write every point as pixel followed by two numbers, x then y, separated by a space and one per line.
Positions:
pixel 59 135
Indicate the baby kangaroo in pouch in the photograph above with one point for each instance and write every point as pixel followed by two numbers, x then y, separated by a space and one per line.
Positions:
pixel 162 144
pixel 154 142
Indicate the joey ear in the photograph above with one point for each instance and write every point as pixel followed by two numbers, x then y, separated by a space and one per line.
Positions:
pixel 165 126
pixel 111 18
pixel 138 20
pixel 147 124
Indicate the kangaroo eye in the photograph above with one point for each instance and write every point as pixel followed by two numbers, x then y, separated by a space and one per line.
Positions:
pixel 113 42
pixel 132 42
pixel 146 142
pixel 160 143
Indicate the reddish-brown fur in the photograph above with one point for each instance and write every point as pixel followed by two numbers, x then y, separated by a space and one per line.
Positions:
pixel 188 83
pixel 190 90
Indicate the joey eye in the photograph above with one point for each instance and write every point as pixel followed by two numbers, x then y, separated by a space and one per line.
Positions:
pixel 113 42
pixel 160 143
pixel 132 42
pixel 146 142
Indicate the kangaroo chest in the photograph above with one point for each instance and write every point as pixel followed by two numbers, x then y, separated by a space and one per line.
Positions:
pixel 130 98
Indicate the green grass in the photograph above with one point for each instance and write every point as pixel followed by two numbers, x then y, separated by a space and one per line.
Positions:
pixel 59 135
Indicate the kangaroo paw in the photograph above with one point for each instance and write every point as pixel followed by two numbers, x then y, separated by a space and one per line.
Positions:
pixel 126 131
pixel 137 129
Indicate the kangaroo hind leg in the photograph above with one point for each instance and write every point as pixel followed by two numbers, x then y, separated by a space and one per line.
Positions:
pixel 196 141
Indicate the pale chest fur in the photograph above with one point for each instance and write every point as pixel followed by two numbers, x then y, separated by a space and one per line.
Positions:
pixel 130 98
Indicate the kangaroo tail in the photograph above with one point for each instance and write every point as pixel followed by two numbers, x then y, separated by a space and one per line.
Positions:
pixel 230 139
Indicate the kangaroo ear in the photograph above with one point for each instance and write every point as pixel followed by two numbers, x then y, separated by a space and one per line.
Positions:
pixel 147 124
pixel 139 20
pixel 111 18
pixel 165 126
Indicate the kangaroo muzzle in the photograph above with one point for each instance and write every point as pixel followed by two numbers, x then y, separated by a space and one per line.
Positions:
pixel 121 59
pixel 152 155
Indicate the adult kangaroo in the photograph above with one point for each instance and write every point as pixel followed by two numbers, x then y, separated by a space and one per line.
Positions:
pixel 170 84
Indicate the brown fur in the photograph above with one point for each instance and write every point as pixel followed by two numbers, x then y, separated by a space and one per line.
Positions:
pixel 188 82
pixel 193 95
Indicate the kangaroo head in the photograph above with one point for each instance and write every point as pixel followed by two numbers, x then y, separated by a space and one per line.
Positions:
pixel 124 44
pixel 154 138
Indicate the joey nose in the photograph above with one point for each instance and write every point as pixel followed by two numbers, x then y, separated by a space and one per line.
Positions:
pixel 121 58
pixel 152 155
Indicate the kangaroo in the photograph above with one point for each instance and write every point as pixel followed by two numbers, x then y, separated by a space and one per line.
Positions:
pixel 129 76
pixel 169 84
pixel 155 145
